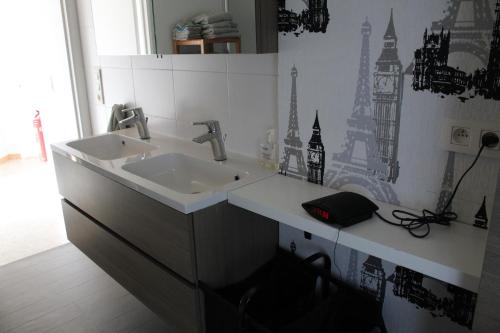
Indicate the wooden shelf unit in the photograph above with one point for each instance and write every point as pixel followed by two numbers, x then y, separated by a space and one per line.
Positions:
pixel 206 45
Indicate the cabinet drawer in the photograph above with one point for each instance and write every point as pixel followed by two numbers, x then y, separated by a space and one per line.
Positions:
pixel 160 231
pixel 171 298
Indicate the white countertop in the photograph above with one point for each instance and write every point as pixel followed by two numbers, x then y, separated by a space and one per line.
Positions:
pixel 185 203
pixel 452 254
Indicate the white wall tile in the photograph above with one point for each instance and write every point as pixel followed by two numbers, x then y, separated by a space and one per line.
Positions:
pixel 200 96
pixel 266 64
pixel 244 104
pixel 124 62
pixel 154 92
pixel 152 62
pixel 200 62
pixel 161 125
pixel 186 130
pixel 118 86
pixel 252 110
pixel 100 119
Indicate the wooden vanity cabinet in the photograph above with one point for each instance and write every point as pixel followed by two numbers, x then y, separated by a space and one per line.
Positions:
pixel 156 252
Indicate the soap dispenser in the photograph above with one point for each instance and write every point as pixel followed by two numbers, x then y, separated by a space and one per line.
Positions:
pixel 267 150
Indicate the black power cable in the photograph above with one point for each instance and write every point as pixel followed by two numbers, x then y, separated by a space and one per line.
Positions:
pixel 416 223
pixel 335 254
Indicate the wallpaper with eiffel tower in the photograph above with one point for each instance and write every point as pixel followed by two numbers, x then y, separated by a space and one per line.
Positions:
pixel 435 73
pixel 377 128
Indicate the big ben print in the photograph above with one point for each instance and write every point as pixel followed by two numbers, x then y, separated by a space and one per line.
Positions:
pixel 387 100
pixel 316 155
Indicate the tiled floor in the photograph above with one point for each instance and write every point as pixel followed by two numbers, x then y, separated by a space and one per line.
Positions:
pixel 61 290
pixel 30 212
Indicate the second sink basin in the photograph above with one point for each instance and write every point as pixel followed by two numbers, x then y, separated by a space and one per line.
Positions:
pixel 183 173
pixel 111 146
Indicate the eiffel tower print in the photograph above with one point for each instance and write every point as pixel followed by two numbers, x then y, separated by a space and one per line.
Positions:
pixel 358 163
pixel 293 144
pixel 470 23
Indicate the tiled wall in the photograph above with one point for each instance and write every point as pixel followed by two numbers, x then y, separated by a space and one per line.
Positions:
pixel 238 90
pixel 175 91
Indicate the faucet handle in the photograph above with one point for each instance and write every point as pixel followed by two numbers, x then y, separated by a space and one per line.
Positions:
pixel 213 125
pixel 135 112
pixel 131 114
pixel 130 119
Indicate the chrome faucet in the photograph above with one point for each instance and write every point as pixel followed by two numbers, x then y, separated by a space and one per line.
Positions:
pixel 138 119
pixel 214 135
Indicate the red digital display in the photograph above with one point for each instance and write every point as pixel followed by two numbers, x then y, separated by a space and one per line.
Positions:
pixel 320 212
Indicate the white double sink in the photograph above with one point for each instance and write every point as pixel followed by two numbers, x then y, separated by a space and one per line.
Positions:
pixel 177 171
pixel 183 173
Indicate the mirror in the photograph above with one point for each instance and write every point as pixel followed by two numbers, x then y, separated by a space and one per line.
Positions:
pixel 142 27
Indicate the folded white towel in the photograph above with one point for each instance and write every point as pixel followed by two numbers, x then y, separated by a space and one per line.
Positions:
pixel 197 29
pixel 223 24
pixel 222 35
pixel 212 18
pixel 215 31
pixel 186 36
pixel 185 30
pixel 116 116
pixel 187 26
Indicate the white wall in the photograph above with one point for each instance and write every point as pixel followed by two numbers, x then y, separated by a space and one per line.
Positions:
pixel 238 90
pixel 486 317
pixel 328 67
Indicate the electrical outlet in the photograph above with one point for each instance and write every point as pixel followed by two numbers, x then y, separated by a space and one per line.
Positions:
pixel 464 137
pixel 483 132
pixel 460 136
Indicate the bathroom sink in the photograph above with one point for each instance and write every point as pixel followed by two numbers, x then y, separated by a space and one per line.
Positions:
pixel 111 146
pixel 183 173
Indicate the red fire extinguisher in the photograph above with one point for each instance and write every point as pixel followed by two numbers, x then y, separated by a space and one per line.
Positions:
pixel 37 124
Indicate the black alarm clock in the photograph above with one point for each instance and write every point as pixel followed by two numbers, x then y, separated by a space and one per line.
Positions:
pixel 343 208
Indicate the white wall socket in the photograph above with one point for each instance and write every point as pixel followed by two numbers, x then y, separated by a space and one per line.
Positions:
pixel 464 136
pixel 460 136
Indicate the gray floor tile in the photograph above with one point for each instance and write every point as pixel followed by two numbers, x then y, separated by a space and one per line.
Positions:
pixel 49 321
pixel 62 291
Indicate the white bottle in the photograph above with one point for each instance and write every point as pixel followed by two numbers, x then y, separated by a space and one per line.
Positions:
pixel 267 151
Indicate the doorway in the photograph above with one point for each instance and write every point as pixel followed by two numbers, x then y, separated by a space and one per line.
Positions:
pixel 35 76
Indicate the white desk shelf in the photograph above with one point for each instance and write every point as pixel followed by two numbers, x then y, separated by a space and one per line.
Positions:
pixel 452 254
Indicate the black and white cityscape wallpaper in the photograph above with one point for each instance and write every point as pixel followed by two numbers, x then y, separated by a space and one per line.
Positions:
pixel 363 100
